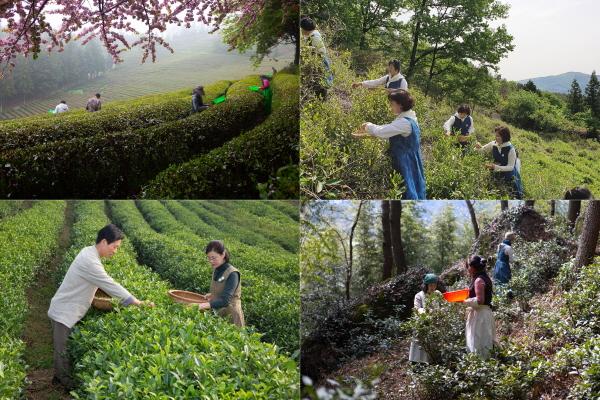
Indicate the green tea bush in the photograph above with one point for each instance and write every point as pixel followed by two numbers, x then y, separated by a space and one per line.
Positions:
pixel 530 110
pixel 290 208
pixel 286 235
pixel 9 207
pixel 27 241
pixel 177 255
pixel 124 116
pixel 170 351
pixel 118 164
pixel 235 169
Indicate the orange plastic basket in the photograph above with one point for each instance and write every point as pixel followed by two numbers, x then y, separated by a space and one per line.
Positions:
pixel 457 296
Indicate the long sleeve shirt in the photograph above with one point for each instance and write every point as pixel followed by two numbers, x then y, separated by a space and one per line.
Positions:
pixel 510 253
pixel 75 294
pixel 450 122
pixel 513 161
pixel 399 126
pixel 382 81
pixel 316 41
pixel 61 108
pixel 230 285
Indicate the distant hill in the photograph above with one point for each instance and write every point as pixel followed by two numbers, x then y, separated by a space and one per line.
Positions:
pixel 560 83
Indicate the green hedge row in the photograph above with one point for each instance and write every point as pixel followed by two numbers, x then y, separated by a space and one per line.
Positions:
pixel 27 241
pixel 272 308
pixel 227 221
pixel 118 164
pixel 284 234
pixel 169 219
pixel 124 116
pixel 170 351
pixel 9 207
pixel 235 169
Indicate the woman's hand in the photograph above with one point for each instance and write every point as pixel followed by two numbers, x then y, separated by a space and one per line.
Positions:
pixel 204 306
pixel 356 84
pixel 490 166
pixel 145 303
pixel 478 145
pixel 208 296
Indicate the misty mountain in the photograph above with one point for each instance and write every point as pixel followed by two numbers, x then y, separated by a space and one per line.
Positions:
pixel 559 83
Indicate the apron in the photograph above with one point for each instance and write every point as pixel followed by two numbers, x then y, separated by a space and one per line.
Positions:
pixel 233 311
pixel 502 272
pixel 481 327
pixel 406 159
pixel 416 352
pixel 513 177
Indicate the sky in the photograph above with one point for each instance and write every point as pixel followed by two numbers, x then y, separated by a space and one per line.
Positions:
pixel 552 37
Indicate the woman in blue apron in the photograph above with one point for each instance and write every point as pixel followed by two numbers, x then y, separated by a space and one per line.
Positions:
pixel 405 144
pixel 461 125
pixel 394 80
pixel 507 165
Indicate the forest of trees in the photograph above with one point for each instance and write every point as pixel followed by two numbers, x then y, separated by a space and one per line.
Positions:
pixel 51 71
pixel 356 333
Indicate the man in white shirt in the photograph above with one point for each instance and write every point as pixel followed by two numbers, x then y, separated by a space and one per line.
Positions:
pixel 61 108
pixel 394 80
pixel 76 292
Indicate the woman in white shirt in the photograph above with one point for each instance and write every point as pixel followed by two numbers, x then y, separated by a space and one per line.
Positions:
pixel 394 80
pixel 507 165
pixel 404 136
pixel 430 287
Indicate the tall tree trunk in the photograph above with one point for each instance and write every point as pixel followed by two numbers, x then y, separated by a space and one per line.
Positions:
pixel 503 205
pixel 388 258
pixel 350 261
pixel 552 208
pixel 473 218
pixel 297 50
pixel 396 236
pixel 416 36
pixel 573 212
pixel 431 69
pixel 529 203
pixel 589 236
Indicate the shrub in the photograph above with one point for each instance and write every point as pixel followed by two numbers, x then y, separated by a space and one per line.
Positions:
pixel 27 241
pixel 173 350
pixel 529 110
pixel 121 116
pixel 235 169
pixel 118 164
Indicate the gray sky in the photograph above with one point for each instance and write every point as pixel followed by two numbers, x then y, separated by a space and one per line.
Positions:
pixel 552 37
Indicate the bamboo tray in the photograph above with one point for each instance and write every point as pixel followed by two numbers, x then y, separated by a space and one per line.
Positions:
pixel 102 301
pixel 185 297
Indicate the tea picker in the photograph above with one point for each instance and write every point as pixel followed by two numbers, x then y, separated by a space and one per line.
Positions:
pixel 72 300
pixel 504 259
pixel 429 288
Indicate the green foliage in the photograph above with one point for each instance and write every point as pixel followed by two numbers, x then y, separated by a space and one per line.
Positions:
pixel 530 87
pixel 141 113
pixel 118 164
pixel 592 95
pixel 173 350
pixel 284 185
pixel 529 110
pixel 9 207
pixel 269 280
pixel 276 24
pixel 575 99
pixel 27 241
pixel 235 169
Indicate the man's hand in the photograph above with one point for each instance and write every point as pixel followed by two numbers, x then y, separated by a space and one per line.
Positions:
pixel 145 303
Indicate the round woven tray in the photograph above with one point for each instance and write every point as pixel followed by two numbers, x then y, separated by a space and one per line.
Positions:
pixel 102 301
pixel 185 297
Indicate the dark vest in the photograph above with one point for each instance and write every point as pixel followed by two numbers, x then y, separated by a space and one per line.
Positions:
pixel 393 85
pixel 488 288
pixel 462 126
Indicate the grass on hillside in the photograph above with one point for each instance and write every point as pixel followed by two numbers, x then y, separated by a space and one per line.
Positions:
pixel 336 165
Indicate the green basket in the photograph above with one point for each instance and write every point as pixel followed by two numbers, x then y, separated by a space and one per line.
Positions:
pixel 219 99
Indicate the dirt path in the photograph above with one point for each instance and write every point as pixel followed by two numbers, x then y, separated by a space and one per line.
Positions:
pixel 38 333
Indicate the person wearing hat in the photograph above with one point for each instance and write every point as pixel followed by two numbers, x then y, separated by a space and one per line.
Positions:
pixel 430 287
pixel 480 327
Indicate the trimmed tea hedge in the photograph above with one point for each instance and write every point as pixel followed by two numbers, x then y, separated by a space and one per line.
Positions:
pixel 9 207
pixel 114 117
pixel 270 307
pixel 117 164
pixel 235 169
pixel 170 351
pixel 27 241
pixel 284 234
